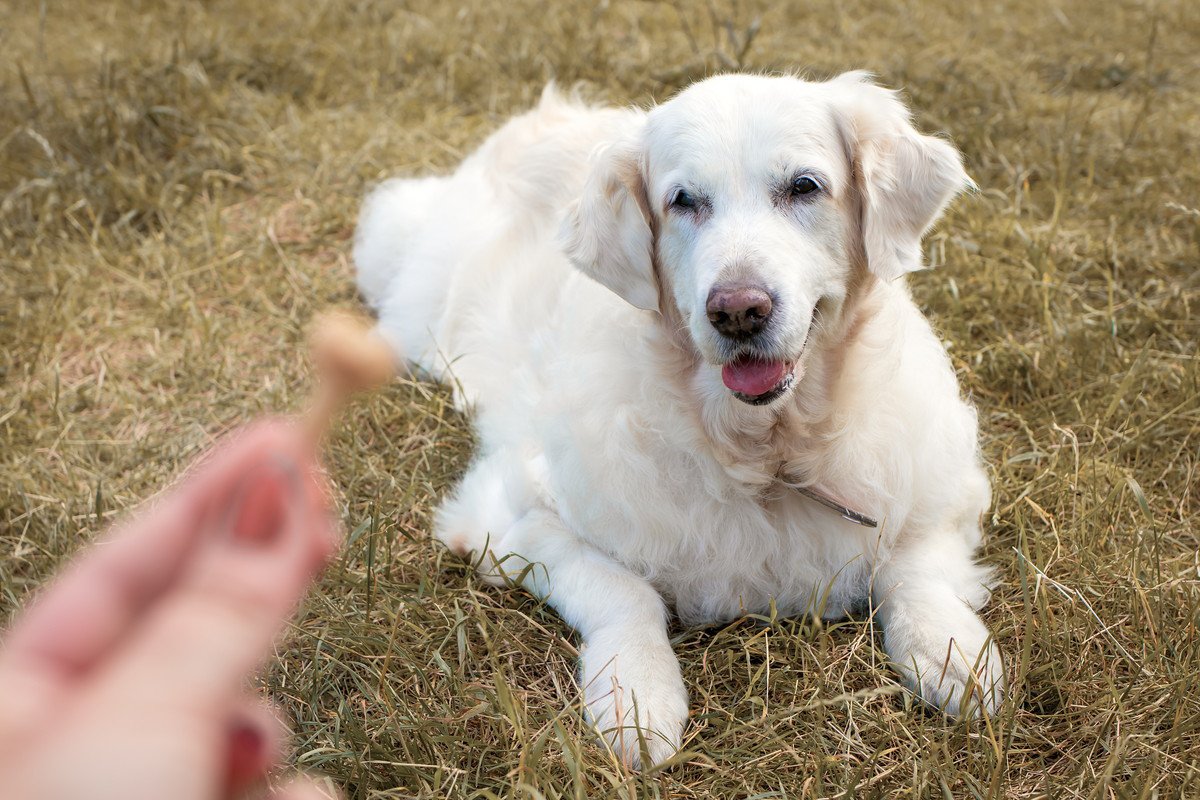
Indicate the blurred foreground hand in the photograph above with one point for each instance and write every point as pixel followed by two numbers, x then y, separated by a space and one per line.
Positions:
pixel 127 677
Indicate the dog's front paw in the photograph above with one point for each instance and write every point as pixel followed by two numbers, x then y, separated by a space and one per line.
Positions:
pixel 950 663
pixel 635 695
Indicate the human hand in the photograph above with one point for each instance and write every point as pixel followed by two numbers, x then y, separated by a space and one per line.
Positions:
pixel 126 678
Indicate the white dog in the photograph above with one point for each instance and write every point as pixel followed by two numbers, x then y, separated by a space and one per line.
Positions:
pixel 698 378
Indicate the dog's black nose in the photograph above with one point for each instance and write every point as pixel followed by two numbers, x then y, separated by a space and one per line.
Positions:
pixel 738 311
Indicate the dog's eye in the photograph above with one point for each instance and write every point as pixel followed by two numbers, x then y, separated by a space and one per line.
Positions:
pixel 684 200
pixel 804 185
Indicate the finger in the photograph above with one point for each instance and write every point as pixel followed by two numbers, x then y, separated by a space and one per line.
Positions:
pixel 82 615
pixel 254 744
pixel 217 621
pixel 306 788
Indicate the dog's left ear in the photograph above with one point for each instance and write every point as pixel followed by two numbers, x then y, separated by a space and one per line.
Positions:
pixel 905 178
pixel 608 231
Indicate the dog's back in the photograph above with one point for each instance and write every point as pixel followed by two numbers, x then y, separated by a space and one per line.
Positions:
pixel 418 253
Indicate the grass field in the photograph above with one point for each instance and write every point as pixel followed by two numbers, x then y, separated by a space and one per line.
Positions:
pixel 178 188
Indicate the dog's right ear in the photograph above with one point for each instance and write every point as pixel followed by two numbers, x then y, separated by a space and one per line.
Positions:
pixel 608 233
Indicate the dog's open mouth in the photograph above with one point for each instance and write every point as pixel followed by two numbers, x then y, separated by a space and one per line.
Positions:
pixel 757 381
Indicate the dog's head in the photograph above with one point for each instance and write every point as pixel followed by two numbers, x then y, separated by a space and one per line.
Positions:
pixel 743 207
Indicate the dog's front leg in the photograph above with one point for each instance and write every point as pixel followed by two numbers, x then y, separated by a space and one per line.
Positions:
pixel 632 686
pixel 925 597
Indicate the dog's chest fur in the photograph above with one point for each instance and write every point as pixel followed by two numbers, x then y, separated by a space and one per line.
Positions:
pixel 694 503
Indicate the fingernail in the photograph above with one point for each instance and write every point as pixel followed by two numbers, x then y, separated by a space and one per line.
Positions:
pixel 261 500
pixel 246 754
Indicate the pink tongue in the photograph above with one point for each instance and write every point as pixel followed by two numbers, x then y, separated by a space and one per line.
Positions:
pixel 752 377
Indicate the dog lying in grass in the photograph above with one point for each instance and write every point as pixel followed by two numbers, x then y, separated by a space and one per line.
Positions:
pixel 698 378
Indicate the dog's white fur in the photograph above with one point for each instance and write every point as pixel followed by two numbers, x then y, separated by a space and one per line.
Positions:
pixel 616 473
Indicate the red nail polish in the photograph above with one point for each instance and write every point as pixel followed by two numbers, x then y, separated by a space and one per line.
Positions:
pixel 259 510
pixel 246 760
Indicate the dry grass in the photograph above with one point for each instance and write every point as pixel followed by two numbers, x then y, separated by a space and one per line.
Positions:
pixel 178 183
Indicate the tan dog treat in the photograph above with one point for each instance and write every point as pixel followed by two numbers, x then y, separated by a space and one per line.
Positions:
pixel 349 357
